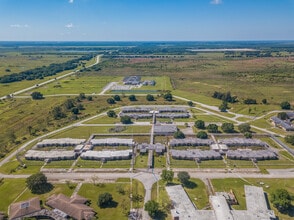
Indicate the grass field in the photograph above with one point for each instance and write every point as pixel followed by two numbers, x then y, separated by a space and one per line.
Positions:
pixel 121 201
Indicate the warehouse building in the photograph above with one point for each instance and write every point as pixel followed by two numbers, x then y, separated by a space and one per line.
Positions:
pixel 60 142
pixel 190 142
pixel 247 154
pixel 107 155
pixel 242 142
pixel 50 155
pixel 166 129
pixel 184 208
pixel 112 142
pixel 195 154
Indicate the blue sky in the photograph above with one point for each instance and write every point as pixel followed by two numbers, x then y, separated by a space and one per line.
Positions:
pixel 146 20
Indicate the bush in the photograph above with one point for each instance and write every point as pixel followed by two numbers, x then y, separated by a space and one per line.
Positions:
pixel 152 208
pixel 104 200
pixel 37 95
pixel 228 127
pixel 110 101
pixel 150 98
pixel 244 127
pixel 116 98
pixel 132 98
pixel 179 135
pixel 126 119
pixel 212 128
pixel 202 135
pixel 199 124
pixel 285 105
pixel 111 114
pixel 281 199
pixel 250 101
pixel 184 177
pixel 168 97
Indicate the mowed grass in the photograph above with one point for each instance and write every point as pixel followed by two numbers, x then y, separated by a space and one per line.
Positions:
pixel 92 192
pixel 9 191
pixel 269 186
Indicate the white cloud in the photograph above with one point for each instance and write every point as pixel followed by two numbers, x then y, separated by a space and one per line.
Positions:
pixel 70 1
pixel 216 2
pixel 19 25
pixel 70 25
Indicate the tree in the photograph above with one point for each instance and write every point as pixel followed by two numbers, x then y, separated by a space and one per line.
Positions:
pixel 250 101
pixel 179 135
pixel 290 139
pixel 152 208
pixel 37 95
pixel 285 105
pixel 150 98
pixel 167 175
pixel 58 113
pixel 38 184
pixel 110 101
pixel 75 110
pixel 282 115
pixel 132 98
pixel 82 96
pixel 212 128
pixel 89 98
pixel 111 114
pixel 244 127
pixel 116 98
pixel 199 124
pixel 168 96
pixel 248 135
pixel 202 135
pixel 69 104
pixel 281 199
pixel 264 101
pixel 228 127
pixel 126 119
pixel 104 200
pixel 184 177
pixel 224 106
pixel 190 103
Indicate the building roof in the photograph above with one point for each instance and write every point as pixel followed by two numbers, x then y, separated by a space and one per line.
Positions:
pixel 106 154
pixel 165 129
pixel 113 141
pixel 61 142
pixel 73 207
pixel 53 154
pixel 21 209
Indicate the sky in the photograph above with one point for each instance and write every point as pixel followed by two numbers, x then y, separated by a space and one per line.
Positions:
pixel 146 20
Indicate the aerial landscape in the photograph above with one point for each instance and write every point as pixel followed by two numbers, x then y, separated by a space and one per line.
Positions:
pixel 150 109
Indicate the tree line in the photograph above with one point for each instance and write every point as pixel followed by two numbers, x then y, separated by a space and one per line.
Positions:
pixel 44 71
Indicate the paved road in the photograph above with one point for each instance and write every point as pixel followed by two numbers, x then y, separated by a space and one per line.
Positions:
pixel 51 80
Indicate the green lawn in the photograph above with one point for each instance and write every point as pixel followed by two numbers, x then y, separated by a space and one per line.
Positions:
pixel 141 161
pixel 160 161
pixel 9 191
pixel 92 192
pixel 182 163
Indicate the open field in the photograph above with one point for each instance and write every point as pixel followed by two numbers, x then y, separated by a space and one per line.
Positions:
pixel 16 62
pixel 121 201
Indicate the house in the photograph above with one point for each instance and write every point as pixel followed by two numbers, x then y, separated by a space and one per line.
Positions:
pixel 132 80
pixel 22 209
pixel 73 207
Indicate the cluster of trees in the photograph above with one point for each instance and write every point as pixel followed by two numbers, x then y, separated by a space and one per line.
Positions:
pixel 168 96
pixel 113 100
pixel 250 101
pixel 282 115
pixel 281 199
pixel 126 119
pixel 226 127
pixel 41 72
pixel 70 105
pixel 225 96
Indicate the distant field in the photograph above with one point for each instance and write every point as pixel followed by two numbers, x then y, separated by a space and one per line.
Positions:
pixel 80 83
pixel 16 62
